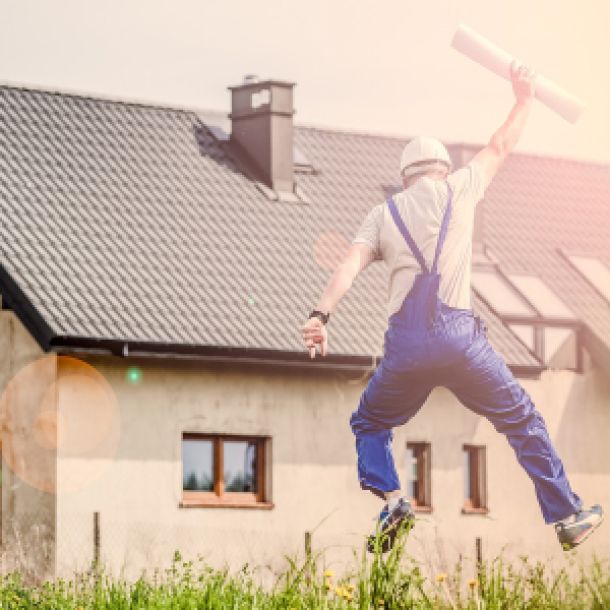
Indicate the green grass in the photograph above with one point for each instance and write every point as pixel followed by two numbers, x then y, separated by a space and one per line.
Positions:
pixel 377 582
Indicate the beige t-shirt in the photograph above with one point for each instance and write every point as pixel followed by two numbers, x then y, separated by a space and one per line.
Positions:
pixel 421 207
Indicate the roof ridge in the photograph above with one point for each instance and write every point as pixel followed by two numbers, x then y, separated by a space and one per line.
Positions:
pixel 142 103
pixel 536 155
pixel 449 144
pixel 353 131
pixel 97 97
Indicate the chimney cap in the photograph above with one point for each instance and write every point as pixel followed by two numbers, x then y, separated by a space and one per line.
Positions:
pixel 250 79
pixel 260 83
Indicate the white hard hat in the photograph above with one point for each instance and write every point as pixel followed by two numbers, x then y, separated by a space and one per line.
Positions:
pixel 422 152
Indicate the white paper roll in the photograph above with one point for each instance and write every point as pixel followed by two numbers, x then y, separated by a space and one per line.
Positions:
pixel 482 51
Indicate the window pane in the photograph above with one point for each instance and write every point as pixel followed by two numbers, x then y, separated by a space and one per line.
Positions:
pixel 467 474
pixel 197 464
pixel 560 348
pixel 500 295
pixel 240 466
pixel 525 332
pixel 411 469
pixel 541 296
pixel 595 271
pixel 474 477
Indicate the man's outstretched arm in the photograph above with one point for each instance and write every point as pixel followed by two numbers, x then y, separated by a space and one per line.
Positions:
pixel 504 140
pixel 358 257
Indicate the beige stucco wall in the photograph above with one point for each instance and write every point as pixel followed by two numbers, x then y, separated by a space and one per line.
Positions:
pixel 28 428
pixel 576 409
pixel 135 481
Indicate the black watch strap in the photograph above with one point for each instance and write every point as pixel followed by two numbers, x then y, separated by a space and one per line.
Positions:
pixel 323 317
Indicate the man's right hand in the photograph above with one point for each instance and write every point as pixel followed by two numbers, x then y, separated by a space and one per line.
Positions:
pixel 523 82
pixel 313 333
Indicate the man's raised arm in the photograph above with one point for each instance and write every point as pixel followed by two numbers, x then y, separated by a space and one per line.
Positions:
pixel 503 141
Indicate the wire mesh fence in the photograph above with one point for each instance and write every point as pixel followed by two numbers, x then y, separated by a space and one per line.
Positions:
pixel 126 547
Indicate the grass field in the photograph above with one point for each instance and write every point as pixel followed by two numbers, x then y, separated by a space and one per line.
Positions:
pixel 377 582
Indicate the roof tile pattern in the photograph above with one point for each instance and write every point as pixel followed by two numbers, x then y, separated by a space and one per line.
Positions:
pixel 132 222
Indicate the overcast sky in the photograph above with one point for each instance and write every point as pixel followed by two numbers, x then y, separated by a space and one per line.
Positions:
pixel 383 66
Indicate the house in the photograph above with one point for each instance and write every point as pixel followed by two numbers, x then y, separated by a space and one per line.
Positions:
pixel 155 267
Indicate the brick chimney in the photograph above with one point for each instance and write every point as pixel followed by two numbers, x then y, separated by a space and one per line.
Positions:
pixel 261 126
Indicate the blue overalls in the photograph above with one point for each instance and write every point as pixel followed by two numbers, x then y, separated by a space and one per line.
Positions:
pixel 428 344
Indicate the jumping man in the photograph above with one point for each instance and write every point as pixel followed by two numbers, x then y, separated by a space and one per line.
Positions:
pixel 433 338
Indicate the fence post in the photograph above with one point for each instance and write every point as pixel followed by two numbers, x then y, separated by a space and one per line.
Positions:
pixel 307 545
pixel 479 552
pixel 96 540
pixel 308 563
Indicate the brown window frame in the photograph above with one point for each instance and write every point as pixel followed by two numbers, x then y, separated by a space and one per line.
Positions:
pixel 219 497
pixel 423 451
pixel 476 502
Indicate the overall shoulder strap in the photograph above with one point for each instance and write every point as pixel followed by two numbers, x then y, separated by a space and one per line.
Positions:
pixel 405 233
pixel 443 232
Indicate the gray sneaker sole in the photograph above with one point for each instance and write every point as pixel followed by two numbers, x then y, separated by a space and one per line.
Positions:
pixel 568 546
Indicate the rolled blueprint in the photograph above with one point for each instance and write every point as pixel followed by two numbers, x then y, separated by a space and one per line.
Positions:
pixel 482 51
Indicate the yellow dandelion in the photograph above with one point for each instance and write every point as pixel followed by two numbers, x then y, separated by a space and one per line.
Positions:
pixel 328 573
pixel 473 583
pixel 350 587
pixel 442 577
pixel 345 593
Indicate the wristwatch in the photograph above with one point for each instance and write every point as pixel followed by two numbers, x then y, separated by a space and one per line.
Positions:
pixel 323 317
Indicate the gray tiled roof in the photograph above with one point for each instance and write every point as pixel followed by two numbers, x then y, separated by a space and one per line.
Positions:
pixel 133 223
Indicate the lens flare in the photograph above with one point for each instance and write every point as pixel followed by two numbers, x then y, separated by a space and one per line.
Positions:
pixel 61 424
pixel 134 374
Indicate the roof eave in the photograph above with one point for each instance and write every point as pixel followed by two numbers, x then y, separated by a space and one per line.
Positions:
pixel 237 356
pixel 213 353
pixel 16 300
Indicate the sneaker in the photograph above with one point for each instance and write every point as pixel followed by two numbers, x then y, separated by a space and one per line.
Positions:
pixel 573 532
pixel 389 524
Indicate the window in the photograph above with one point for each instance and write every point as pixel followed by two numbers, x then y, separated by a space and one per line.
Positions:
pixel 534 313
pixel 500 295
pixel 556 346
pixel 594 271
pixel 561 348
pixel 222 470
pixel 475 480
pixel 418 467
pixel 541 296
pixel 526 333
